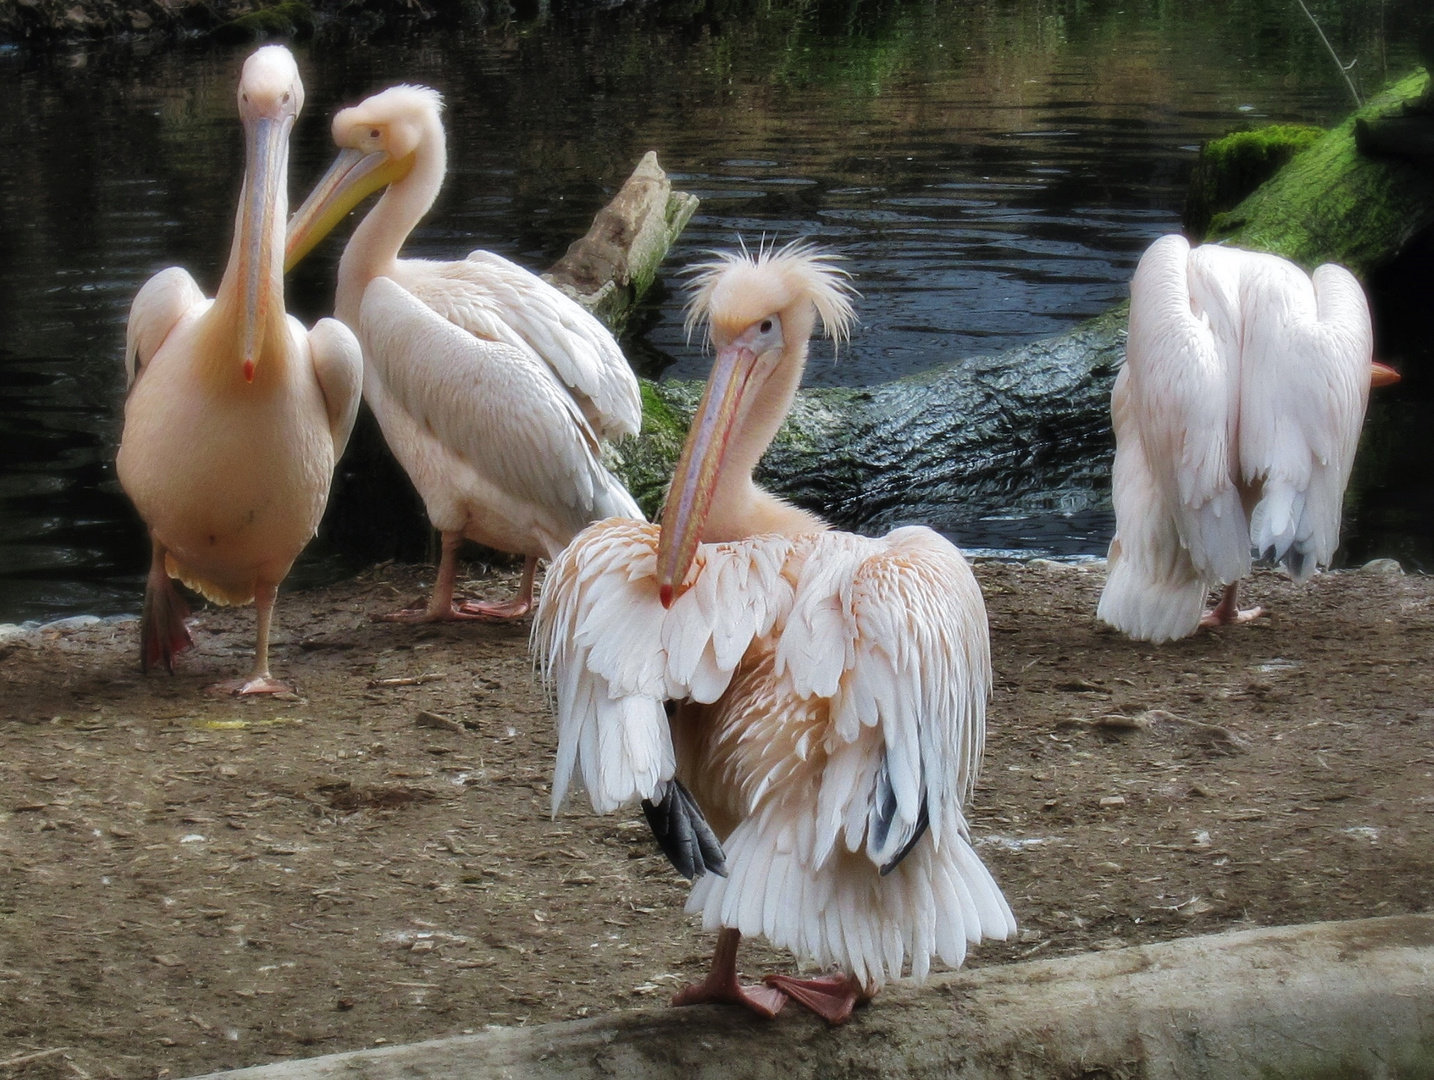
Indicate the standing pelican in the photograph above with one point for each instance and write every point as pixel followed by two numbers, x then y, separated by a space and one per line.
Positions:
pixel 491 386
pixel 831 689
pixel 236 414
pixel 1237 414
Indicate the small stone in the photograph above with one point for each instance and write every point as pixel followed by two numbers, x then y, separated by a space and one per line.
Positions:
pixel 1389 567
pixel 1112 802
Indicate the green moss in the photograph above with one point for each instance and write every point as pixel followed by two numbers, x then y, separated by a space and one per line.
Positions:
pixel 289 19
pixel 645 464
pixel 1231 168
pixel 1332 204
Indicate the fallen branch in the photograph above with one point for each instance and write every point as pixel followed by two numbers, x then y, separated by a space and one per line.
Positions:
pixel 1328 999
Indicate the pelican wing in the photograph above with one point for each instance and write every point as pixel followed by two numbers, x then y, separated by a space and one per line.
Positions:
pixel 1308 346
pixel 495 299
pixel 160 304
pixel 338 367
pixel 1152 590
pixel 892 634
pixel 495 405
pixel 1181 355
pixel 612 655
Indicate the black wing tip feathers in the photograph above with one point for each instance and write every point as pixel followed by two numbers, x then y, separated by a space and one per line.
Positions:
pixel 923 822
pixel 683 834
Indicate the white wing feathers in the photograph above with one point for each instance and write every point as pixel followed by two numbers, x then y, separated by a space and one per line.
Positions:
pixel 1182 353
pixel 1305 386
pixel 159 305
pixel 495 405
pixel 612 656
pixel 495 299
pixel 338 367
pixel 890 632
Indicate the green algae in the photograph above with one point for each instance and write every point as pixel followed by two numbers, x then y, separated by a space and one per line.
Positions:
pixel 1229 169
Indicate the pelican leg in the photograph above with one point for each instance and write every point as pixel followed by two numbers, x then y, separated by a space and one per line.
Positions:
pixel 1227 611
pixel 722 985
pixel 515 608
pixel 832 997
pixel 162 632
pixel 259 680
pixel 440 603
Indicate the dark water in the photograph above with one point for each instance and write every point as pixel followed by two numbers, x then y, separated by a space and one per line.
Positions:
pixel 991 171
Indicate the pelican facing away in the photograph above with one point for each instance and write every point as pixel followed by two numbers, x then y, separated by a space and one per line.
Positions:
pixel 492 387
pixel 1237 414
pixel 236 414
pixel 830 689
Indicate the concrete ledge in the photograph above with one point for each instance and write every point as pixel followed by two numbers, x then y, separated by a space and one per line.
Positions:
pixel 1335 999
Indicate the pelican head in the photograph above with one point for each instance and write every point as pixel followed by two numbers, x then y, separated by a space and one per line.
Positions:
pixel 378 142
pixel 270 97
pixel 760 310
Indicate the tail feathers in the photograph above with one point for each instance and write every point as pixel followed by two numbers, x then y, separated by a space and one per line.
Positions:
pixel 1297 528
pixel 1150 601
pixel 162 633
pixel 213 591
pixel 846 913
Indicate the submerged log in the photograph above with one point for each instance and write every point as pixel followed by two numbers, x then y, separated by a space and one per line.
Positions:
pixel 1347 999
pixel 1027 430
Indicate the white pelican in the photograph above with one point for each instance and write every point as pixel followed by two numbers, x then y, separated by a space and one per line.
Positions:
pixel 492 387
pixel 236 414
pixel 1237 414
pixel 831 689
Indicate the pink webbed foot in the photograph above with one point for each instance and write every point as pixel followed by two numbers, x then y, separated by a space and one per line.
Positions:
pixel 715 990
pixel 255 684
pixel 431 615
pixel 1221 617
pixel 515 608
pixel 832 997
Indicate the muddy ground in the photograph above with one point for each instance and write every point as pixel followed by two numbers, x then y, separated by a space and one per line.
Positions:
pixel 190 882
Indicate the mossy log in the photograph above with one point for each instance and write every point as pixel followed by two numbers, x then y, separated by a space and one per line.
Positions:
pixel 1334 204
pixel 1333 999
pixel 1028 429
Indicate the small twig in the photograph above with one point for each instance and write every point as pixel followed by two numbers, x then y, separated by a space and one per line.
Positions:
pixel 25 1059
pixel 404 680
pixel 1343 70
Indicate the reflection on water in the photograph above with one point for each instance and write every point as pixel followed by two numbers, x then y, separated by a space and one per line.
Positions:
pixel 991 171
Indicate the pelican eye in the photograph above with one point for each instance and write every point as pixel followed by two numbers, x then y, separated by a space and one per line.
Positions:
pixel 285 99
pixel 766 326
pixel 375 133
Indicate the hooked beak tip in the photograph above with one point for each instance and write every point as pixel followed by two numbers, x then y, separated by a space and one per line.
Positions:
pixel 249 371
pixel 1383 375
pixel 664 594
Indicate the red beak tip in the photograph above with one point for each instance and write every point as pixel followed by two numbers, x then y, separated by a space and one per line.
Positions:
pixel 248 371
pixel 664 594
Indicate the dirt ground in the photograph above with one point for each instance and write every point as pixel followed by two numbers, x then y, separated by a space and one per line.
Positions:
pixel 189 882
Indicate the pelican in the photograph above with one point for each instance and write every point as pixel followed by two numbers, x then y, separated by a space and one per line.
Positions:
pixel 236 414
pixel 1237 414
pixel 492 387
pixel 830 689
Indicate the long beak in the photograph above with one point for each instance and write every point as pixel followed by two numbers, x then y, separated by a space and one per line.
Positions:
pixel 267 151
pixel 689 499
pixel 1382 375
pixel 352 177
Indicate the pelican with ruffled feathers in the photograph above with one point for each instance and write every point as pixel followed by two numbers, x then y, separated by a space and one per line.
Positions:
pixel 492 387
pixel 236 414
pixel 801 711
pixel 1237 414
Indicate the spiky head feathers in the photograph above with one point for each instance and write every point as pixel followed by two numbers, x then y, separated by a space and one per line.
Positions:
pixel 733 290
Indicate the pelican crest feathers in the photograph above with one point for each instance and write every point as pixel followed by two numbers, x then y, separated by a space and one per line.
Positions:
pixel 777 277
